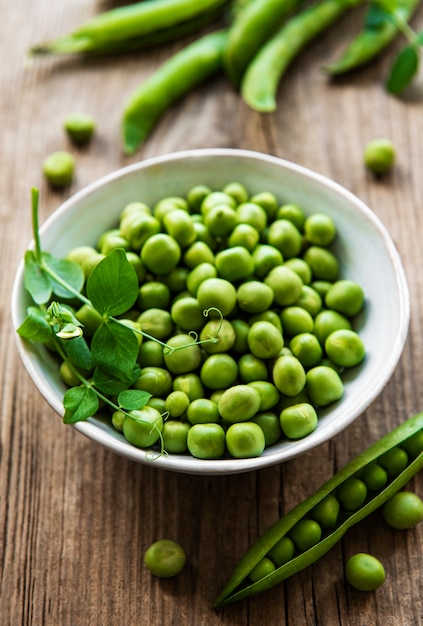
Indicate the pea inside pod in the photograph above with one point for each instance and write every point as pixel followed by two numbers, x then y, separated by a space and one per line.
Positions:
pixel 240 584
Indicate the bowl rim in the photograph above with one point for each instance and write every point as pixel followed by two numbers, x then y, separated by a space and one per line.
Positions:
pixel 188 464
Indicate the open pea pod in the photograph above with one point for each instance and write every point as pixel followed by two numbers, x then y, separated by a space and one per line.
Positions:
pixel 239 586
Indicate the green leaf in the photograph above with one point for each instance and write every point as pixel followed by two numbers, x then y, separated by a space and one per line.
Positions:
pixel 107 383
pixel 112 286
pixel 114 348
pixel 35 326
pixel 376 16
pixel 403 70
pixel 80 403
pixel 77 351
pixel 70 273
pixel 36 281
pixel 132 399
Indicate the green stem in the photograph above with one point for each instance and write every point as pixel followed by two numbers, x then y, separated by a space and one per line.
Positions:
pixel 34 198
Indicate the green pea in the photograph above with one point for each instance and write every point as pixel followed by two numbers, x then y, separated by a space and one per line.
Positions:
pixel 307 349
pixel 206 441
pixel 237 190
pixel 176 403
pixel 135 260
pixel 160 253
pixel 86 257
pixel 300 267
pixel 321 286
pixel 269 395
pixel 241 328
pixel 154 380
pixel 394 461
pixel 234 263
pixel 150 353
pixel 170 203
pixel 219 371
pixel 305 534
pixel 326 512
pixel 254 296
pixel 364 572
pixel 268 201
pixel 323 385
pixel 269 316
pixel 285 236
pixel 134 208
pixel 379 155
pixel 118 418
pixel 221 220
pixel 374 476
pixel 296 320
pixel 187 313
pixel 352 493
pixel 186 354
pixel 323 263
pixel 265 258
pixel 137 227
pixel 283 551
pixel 68 375
pixel 217 293
pixel 244 235
pixel 292 213
pixel 346 297
pixel 286 285
pixel 216 198
pixel 175 435
pixel 289 376
pixel 326 322
pixel 79 126
pixel 298 421
pixel 252 214
pixel 197 253
pixel 112 240
pixel 157 323
pixel 189 383
pixel 263 567
pixel 319 229
pixel 89 318
pixel 223 331
pixel 414 444
pixel 202 411
pixel 165 558
pixel 198 274
pixel 196 195
pixel 179 225
pixel 157 403
pixel 245 440
pixel 59 168
pixel 153 295
pixel 404 510
pixel 264 340
pixel 270 425
pixel 310 300
pixel 239 403
pixel 251 368
pixel 345 348
pixel 143 427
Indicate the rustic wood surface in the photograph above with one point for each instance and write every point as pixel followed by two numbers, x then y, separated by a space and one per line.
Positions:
pixel 75 520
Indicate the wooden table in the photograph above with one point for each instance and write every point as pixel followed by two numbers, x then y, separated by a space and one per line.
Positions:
pixel 76 519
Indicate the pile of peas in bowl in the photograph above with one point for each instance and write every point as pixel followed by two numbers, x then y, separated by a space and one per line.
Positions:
pixel 247 322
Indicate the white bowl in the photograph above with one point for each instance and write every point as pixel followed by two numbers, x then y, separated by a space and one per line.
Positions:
pixel 367 255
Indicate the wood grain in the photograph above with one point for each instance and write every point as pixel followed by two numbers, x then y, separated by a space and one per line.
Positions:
pixel 75 520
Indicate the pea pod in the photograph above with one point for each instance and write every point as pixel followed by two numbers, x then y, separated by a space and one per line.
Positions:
pixel 135 26
pixel 376 35
pixel 239 586
pixel 262 76
pixel 250 29
pixel 184 70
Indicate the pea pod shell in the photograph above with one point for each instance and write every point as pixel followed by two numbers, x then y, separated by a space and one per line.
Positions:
pixel 372 40
pixel 262 77
pixel 262 546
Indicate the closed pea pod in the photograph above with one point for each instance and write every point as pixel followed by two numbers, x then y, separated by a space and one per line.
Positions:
pixel 239 586
pixel 184 70
pixel 262 77
pixel 375 36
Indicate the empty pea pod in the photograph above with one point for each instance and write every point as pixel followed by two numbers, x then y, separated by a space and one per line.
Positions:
pixel 135 26
pixel 378 32
pixel 262 76
pixel 240 585
pixel 187 68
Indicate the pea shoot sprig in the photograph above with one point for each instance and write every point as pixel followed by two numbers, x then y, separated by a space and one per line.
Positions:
pixel 406 63
pixel 107 366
